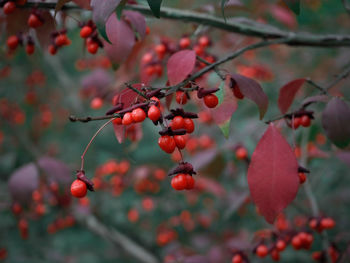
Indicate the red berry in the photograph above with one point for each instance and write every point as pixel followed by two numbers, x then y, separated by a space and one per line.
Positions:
pixel 167 143
pixel 179 182
pixel 177 123
pixel 160 50
pixel 78 188
pixel 327 223
pixel 127 119
pixel 180 141
pixel 237 259
pixel 85 32
pixel 280 245
pixel 296 242
pixel 30 48
pixel 189 182
pixel 147 58
pixel 181 97
pixel 211 100
pixel 185 42
pixel 262 251
pixel 203 41
pixel 92 47
pixel 16 209
pixel 237 92
pixel 275 255
pixel 34 21
pixel 305 121
pixel 241 153
pixel 96 103
pixel 302 177
pixel 138 115
pixel 313 223
pixel 61 40
pixel 189 125
pixel 117 121
pixel 296 122
pixel 3 253
pixel 52 50
pixel 153 113
pixel 9 7
pixel 12 42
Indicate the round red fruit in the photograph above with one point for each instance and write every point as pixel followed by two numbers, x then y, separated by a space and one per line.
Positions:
pixel 78 188
pixel 52 50
pixel 167 143
pixel 185 42
pixel 180 141
pixel 189 125
pixel 296 122
pixel 12 42
pixel 305 121
pixel 34 21
pixel 302 177
pixel 85 32
pixel 181 97
pixel 92 48
pixel 138 115
pixel 211 100
pixel 127 119
pixel 61 40
pixel 30 48
pixel 237 259
pixel 117 121
pixel 241 153
pixel 204 41
pixel 179 182
pixel 9 7
pixel 177 123
pixel 153 113
pixel 262 251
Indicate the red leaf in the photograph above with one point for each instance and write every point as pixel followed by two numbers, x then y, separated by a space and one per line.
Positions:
pixel 222 114
pixel 287 94
pixel 336 122
pixel 43 32
pixel 119 131
pixel 122 38
pixel 128 96
pixel 253 91
pixel 101 10
pixel 180 65
pixel 273 174
pixel 137 21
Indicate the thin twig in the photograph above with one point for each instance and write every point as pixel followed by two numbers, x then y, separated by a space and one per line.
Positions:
pixel 92 139
pixel 129 86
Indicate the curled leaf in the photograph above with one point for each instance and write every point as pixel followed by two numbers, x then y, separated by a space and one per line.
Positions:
pixel 253 91
pixel 287 94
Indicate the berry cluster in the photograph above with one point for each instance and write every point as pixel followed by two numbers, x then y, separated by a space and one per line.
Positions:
pixel 15 40
pixel 89 33
pixel 299 118
pixel 152 61
pixel 58 40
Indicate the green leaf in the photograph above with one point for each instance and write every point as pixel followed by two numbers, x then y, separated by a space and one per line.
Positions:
pixel 225 128
pixel 155 7
pixel 221 92
pixel 223 3
pixel 120 8
pixel 102 30
pixel 294 5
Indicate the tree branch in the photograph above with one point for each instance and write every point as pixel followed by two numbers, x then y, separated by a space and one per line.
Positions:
pixel 241 26
pixel 119 239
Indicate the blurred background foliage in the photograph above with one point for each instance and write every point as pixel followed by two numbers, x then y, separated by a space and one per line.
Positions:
pixel 46 90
